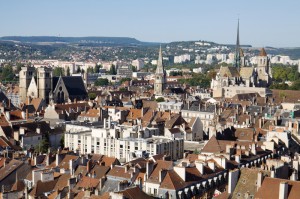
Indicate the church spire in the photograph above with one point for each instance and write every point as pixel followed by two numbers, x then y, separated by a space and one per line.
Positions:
pixel 160 67
pixel 237 57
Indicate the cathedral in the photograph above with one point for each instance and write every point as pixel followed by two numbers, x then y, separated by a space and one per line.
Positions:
pixel 39 83
pixel 241 75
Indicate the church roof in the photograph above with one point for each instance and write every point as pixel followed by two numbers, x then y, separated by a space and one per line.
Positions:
pixel 227 71
pixel 262 53
pixel 74 85
pixel 246 72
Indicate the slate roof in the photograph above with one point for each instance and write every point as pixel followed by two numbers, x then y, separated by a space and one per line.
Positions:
pixel 74 85
pixel 194 106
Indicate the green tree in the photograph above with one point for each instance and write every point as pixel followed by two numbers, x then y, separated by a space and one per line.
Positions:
pixel 62 141
pixel 113 70
pixel 134 69
pixel 160 99
pixel 101 82
pixel 97 68
pixel 68 71
pixel 123 89
pixel 58 71
pixel 7 73
pixel 43 145
pixel 124 80
pixel 92 96
pixel 90 70
pixel 78 70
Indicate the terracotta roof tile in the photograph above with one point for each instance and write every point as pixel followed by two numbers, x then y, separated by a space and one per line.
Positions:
pixel 87 182
pixel 160 164
pixel 270 188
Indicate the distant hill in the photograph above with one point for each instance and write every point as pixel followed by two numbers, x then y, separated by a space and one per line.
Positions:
pixel 94 41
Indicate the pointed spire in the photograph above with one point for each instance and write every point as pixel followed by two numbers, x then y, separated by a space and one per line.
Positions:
pixel 237 57
pixel 160 67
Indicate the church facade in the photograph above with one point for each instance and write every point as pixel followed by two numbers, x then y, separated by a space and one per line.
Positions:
pixel 40 83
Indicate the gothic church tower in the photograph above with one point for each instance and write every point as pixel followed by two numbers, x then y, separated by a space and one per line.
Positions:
pixel 160 76
pixel 25 77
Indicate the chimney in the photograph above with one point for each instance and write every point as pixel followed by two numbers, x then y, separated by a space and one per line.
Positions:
pixel 7 114
pixel 104 123
pixel 200 167
pixel 89 166
pixel 162 174
pixel 253 149
pixel 38 130
pixel 232 180
pixel 283 190
pixel 109 122
pixel 259 179
pixel 260 123
pixel 58 159
pixel 211 165
pixel 27 114
pixel 237 158
pixel 149 169
pixel 272 174
pixel 9 103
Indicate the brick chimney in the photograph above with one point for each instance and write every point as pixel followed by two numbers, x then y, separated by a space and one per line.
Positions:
pixel 283 190
pixel 89 166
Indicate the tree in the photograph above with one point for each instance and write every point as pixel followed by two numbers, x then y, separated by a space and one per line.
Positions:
pixel 43 145
pixel 160 99
pixel 7 73
pixel 124 80
pixel 58 71
pixel 78 70
pixel 134 69
pixel 97 68
pixel 92 96
pixel 90 70
pixel 113 70
pixel 68 71
pixel 62 141
pixel 123 89
pixel 101 82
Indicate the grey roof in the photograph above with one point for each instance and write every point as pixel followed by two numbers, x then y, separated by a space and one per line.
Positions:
pixel 74 85
pixel 253 109
pixel 194 106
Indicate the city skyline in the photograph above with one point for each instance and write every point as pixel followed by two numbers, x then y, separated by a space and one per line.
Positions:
pixel 267 23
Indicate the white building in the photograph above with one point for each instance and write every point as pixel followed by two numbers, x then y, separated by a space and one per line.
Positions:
pixel 182 58
pixel 138 63
pixel 122 142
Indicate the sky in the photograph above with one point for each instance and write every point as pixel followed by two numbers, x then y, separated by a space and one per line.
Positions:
pixel 262 22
